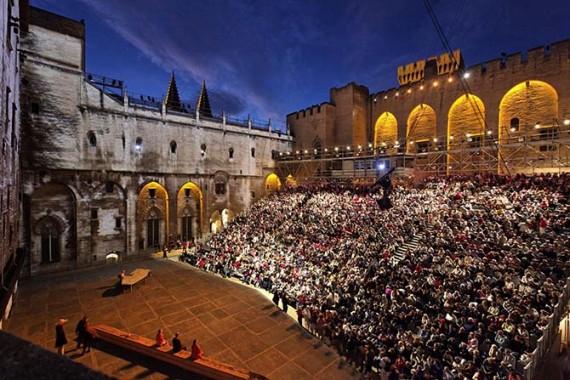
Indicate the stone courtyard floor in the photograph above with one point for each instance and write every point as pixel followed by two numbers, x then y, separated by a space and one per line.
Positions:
pixel 233 323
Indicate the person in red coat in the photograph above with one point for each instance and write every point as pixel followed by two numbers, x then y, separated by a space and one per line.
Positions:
pixel 160 340
pixel 197 352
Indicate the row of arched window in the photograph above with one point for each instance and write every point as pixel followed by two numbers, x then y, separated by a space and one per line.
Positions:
pixel 92 140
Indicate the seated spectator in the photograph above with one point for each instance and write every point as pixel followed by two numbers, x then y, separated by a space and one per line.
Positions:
pixel 160 340
pixel 177 343
pixel 196 351
pixel 456 272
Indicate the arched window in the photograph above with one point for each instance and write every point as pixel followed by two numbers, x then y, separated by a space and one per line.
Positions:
pixel 317 145
pixel 231 153
pixel 514 124
pixel 173 147
pixel 220 188
pixel 138 144
pixel 92 139
pixel 50 241
pixel 252 152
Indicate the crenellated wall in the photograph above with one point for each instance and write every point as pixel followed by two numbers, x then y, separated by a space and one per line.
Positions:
pixel 342 121
pixel 488 82
pixel 310 125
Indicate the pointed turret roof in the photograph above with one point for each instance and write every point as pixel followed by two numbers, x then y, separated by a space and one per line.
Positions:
pixel 172 99
pixel 203 104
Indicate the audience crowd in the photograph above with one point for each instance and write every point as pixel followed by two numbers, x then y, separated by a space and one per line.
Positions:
pixel 470 300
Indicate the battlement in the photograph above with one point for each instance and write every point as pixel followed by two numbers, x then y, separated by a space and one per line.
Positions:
pixel 425 68
pixel 309 111
pixel 558 51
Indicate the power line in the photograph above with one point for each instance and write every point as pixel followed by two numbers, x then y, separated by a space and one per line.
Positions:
pixel 462 81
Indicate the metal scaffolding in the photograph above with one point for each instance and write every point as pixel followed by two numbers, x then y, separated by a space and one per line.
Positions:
pixel 535 149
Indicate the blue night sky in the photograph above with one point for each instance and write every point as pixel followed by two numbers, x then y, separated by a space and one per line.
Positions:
pixel 268 58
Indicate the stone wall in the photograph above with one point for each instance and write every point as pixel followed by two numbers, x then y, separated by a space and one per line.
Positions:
pixel 93 155
pixel 10 187
pixel 489 82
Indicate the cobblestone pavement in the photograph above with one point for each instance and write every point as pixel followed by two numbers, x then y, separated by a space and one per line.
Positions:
pixel 234 323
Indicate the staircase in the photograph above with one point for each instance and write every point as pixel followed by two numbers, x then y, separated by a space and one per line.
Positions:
pixel 410 246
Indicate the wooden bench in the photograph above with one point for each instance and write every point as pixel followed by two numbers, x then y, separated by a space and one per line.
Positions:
pixel 145 346
pixel 135 276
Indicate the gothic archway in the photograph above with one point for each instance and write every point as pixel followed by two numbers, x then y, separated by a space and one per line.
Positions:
pixel 272 184
pixel 421 129
pixel 152 216
pixel 189 211
pixel 386 132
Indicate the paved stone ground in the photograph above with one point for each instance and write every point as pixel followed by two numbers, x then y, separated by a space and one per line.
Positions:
pixel 233 323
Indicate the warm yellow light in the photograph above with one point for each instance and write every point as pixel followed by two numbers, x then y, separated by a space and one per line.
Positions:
pixel 567 122
pixel 537 125
pixel 326 149
pixel 435 84
pixel 466 75
pixel 370 145
pixel 306 151
pixel 336 148
pixel 297 152
pixel 513 129
pixel 397 93
pixel 422 87
pixel 489 133
pixel 450 79
pixel 348 147
pixel 412 142
pixel 409 90
pixel 451 137
pixel 435 139
pixel 385 96
pixel 360 147
pixel 468 135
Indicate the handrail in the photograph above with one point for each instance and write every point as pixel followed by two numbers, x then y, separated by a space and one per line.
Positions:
pixel 549 334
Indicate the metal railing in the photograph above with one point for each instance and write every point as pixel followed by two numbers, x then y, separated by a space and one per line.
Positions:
pixel 549 334
pixel 116 89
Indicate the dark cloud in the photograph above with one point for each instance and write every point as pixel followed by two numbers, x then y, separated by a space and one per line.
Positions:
pixel 270 58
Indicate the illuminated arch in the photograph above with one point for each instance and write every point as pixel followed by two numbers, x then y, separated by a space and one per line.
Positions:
pixel 385 130
pixel 290 180
pixel 465 120
pixel 421 126
pixel 216 222
pixel 272 184
pixel 189 211
pixel 152 216
pixel 227 216
pixel 528 103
